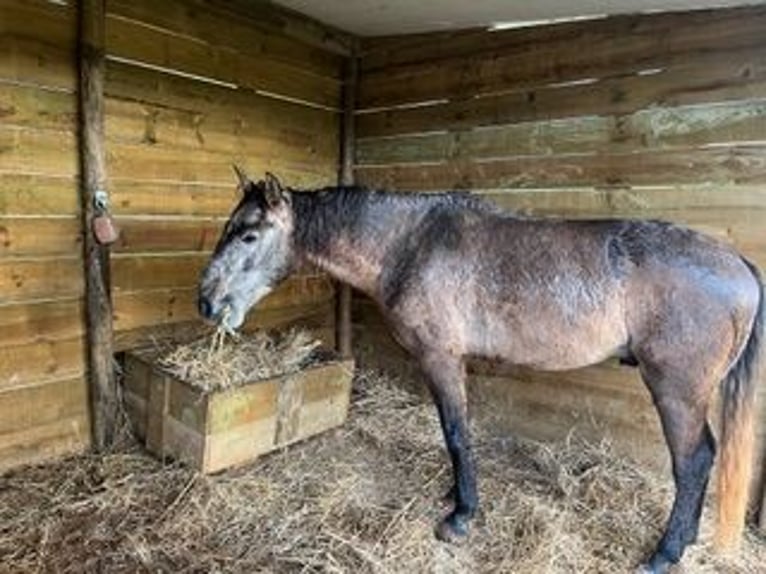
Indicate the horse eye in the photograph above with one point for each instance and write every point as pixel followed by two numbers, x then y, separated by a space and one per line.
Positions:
pixel 249 238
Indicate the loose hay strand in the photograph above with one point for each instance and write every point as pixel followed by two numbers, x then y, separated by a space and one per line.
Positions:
pixel 360 499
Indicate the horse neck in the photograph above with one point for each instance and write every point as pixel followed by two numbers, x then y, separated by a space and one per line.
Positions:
pixel 347 232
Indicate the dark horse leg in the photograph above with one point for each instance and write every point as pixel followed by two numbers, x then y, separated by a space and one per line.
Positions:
pixel 682 406
pixel 446 377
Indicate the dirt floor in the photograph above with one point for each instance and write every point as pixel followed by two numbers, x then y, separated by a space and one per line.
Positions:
pixel 363 498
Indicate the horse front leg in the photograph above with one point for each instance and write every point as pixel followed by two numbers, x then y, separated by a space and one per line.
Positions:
pixel 446 377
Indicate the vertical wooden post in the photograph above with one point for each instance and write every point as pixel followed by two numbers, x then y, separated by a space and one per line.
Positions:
pixel 350 80
pixel 98 308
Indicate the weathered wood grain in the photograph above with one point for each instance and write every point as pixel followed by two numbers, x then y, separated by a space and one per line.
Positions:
pixel 28 364
pixel 25 323
pixel 268 36
pixel 724 165
pixel 434 47
pixel 28 407
pixel 653 128
pixel 600 54
pixel 24 279
pixel 719 79
pixel 44 442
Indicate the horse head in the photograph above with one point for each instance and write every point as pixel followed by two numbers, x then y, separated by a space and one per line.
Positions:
pixel 254 254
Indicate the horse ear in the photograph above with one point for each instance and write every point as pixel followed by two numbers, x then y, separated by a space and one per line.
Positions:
pixel 273 190
pixel 244 181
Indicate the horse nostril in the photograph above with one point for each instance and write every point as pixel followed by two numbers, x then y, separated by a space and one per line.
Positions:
pixel 205 307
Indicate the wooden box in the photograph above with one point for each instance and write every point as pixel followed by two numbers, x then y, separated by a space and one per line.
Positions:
pixel 214 431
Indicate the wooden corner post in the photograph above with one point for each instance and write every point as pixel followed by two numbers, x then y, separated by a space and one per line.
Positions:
pixel 98 309
pixel 350 81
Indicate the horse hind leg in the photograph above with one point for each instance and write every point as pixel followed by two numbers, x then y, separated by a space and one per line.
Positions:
pixel 682 407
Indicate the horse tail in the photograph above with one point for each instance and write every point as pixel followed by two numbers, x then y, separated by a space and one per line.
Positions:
pixel 738 430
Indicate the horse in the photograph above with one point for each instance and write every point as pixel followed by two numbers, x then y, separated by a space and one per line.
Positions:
pixel 458 278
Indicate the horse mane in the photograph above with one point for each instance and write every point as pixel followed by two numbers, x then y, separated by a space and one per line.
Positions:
pixel 320 212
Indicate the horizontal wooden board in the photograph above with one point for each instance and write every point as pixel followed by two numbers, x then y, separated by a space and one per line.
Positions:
pixel 134 273
pixel 25 323
pixel 42 151
pixel 129 39
pixel 722 165
pixel 663 128
pixel 42 53
pixel 36 405
pixel 267 36
pixel 741 76
pixel 44 442
pixel 156 163
pixel 33 194
pixel 600 54
pixel 172 198
pixel 154 307
pixel 161 235
pixel 24 105
pixel 670 199
pixel 432 47
pixel 28 364
pixel 225 130
pixel 40 236
pixel 40 278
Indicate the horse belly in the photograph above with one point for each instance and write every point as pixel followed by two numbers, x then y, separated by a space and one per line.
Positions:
pixel 547 340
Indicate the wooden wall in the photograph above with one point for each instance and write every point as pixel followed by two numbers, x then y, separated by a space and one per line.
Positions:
pixel 191 87
pixel 43 407
pixel 640 116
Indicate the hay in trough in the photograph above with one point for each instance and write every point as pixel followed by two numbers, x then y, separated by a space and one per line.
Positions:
pixel 360 499
pixel 220 361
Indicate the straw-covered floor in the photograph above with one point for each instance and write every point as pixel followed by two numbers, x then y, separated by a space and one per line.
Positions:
pixel 363 498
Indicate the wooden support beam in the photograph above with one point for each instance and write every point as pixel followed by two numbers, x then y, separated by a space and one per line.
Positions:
pixel 351 80
pixel 98 308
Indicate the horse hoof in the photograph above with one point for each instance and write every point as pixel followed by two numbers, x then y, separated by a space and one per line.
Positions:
pixel 657 564
pixel 453 530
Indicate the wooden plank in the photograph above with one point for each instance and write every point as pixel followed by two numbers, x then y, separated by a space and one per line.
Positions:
pixel 144 162
pixel 45 152
pixel 613 201
pixel 27 364
pixel 144 235
pixel 265 36
pixel 157 307
pixel 34 107
pixel 42 53
pixel 133 273
pixel 738 77
pixel 129 39
pixel 171 198
pixel 226 129
pixel 54 23
pixel 32 194
pixel 40 321
pixel 45 442
pixel 599 55
pixel 27 407
pixel 40 278
pixel 39 236
pixel 714 165
pixel 291 24
pixel 391 51
pixel 654 128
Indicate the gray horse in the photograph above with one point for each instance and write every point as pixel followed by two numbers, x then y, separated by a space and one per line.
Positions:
pixel 457 278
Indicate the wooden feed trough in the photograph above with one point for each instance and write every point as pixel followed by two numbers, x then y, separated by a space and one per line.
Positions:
pixel 216 430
